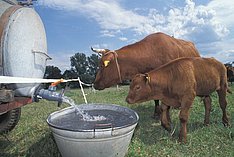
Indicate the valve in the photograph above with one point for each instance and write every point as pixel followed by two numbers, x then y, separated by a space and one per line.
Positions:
pixel 50 93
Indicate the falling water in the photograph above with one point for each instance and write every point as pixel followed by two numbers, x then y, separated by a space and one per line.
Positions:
pixel 85 116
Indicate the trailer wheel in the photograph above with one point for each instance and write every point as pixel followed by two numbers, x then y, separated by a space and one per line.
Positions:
pixel 9 120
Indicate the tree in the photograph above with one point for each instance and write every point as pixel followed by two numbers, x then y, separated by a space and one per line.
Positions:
pixel 52 72
pixel 85 67
pixel 93 66
pixel 71 74
pixel 79 63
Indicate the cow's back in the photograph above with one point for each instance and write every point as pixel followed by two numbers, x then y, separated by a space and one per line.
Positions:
pixel 210 75
pixel 158 49
pixel 204 75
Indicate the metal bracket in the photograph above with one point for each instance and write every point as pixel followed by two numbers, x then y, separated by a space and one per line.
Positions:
pixel 43 53
pixel 102 126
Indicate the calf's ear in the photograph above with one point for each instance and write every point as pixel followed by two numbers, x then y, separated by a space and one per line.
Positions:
pixel 148 79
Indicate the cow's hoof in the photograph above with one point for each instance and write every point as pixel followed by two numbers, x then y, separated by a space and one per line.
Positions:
pixel 206 124
pixel 166 127
pixel 226 122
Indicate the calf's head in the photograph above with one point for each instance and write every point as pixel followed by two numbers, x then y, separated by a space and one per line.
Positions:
pixel 140 89
pixel 107 74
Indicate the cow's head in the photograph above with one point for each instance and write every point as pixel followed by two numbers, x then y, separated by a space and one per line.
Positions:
pixel 140 89
pixel 107 74
pixel 230 70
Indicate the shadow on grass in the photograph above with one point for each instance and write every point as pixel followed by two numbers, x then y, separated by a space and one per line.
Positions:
pixel 150 131
pixel 45 147
pixel 4 144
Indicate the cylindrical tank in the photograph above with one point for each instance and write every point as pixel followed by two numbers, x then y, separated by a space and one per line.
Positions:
pixel 23 46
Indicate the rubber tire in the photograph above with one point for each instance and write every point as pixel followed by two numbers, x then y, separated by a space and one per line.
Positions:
pixel 9 120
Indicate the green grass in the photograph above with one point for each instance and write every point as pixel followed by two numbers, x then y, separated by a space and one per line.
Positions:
pixel 33 138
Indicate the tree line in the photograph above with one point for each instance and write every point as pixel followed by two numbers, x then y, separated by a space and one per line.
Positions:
pixel 82 66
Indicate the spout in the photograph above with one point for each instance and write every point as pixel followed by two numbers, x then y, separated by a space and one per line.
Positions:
pixel 50 95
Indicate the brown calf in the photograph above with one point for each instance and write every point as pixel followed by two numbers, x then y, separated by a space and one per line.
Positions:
pixel 177 83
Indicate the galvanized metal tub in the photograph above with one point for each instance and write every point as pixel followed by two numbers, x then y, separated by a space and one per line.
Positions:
pixel 105 138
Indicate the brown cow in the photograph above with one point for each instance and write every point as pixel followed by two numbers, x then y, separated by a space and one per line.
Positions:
pixel 177 83
pixel 230 73
pixel 140 57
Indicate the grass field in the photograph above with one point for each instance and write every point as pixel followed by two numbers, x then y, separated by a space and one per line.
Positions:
pixel 33 138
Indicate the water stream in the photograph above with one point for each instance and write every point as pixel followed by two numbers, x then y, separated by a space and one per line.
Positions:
pixel 85 116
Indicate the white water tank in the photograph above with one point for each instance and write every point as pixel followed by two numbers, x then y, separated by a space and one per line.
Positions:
pixel 23 51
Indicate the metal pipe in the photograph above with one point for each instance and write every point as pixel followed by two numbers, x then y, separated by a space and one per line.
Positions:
pixel 10 79
pixel 50 95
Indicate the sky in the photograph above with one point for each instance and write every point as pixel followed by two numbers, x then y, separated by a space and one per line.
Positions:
pixel 74 26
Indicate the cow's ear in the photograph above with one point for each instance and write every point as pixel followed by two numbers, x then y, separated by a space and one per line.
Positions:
pixel 108 59
pixel 106 62
pixel 148 79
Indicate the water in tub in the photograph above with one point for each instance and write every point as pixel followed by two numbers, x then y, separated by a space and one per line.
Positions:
pixel 91 118
pixel 85 116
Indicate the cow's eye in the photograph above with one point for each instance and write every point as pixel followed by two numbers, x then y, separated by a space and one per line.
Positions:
pixel 138 87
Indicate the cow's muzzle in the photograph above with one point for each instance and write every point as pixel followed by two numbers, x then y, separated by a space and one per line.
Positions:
pixel 98 87
pixel 129 100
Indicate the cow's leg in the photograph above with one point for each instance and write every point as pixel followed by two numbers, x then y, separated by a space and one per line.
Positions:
pixel 223 104
pixel 186 104
pixel 207 102
pixel 165 117
pixel 157 110
pixel 168 116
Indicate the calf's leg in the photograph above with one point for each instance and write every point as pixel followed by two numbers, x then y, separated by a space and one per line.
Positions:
pixel 186 104
pixel 184 114
pixel 207 102
pixel 165 117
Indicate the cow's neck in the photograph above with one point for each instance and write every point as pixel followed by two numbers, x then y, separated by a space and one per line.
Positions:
pixel 128 67
pixel 158 83
pixel 162 89
pixel 165 95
